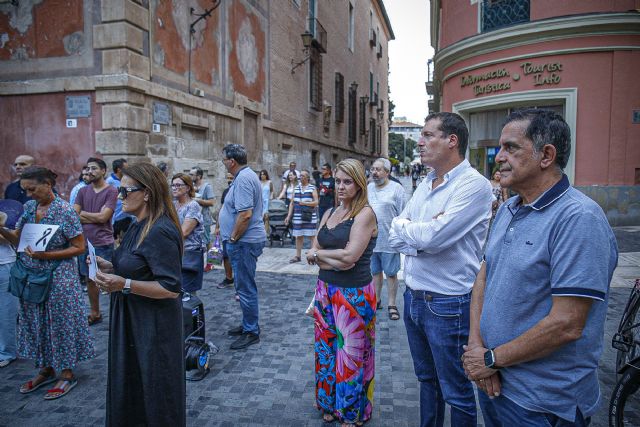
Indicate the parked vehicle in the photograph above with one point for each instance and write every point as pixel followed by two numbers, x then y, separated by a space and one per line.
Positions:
pixel 627 342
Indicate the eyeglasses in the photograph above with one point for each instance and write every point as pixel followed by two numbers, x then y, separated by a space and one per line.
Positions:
pixel 178 185
pixel 124 191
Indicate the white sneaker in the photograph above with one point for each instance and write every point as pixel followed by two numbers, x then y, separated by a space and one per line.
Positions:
pixel 5 362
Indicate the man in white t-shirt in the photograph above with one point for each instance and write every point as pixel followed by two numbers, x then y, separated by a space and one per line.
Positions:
pixel 292 168
pixel 387 199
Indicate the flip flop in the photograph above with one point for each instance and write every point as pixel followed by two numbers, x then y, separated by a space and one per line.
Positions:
pixel 394 314
pixel 294 259
pixel 30 387
pixel 56 393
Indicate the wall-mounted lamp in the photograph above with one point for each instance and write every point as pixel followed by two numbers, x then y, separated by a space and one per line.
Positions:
pixel 364 99
pixel 353 86
pixel 307 38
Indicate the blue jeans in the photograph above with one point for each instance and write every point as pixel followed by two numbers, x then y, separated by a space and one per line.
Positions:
pixel 243 257
pixel 437 328
pixel 8 315
pixel 502 411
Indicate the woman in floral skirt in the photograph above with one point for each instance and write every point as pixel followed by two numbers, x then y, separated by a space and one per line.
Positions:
pixel 345 302
pixel 55 333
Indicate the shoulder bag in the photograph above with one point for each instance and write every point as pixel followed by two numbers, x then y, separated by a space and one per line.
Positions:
pixel 29 284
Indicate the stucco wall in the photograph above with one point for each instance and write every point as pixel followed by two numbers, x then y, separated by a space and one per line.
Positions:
pixel 35 125
pixel 606 151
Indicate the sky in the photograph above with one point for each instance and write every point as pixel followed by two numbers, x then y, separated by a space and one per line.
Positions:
pixel 408 55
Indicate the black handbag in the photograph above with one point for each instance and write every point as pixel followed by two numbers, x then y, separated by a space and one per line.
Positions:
pixel 31 285
pixel 306 214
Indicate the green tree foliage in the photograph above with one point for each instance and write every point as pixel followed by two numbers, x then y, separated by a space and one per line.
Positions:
pixel 396 145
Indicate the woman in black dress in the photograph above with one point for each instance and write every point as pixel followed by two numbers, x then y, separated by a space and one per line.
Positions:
pixel 146 348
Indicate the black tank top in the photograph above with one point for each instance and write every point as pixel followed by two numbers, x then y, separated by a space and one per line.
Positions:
pixel 337 238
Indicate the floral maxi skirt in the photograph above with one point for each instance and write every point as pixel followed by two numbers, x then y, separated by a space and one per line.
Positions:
pixel 345 321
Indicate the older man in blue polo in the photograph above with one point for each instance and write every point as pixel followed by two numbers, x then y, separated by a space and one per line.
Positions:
pixel 540 299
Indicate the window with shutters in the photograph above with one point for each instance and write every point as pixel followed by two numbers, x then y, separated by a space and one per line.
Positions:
pixel 363 119
pixel 372 135
pixel 339 101
pixel 353 111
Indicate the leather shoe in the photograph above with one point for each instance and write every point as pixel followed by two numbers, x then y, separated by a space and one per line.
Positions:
pixel 245 341
pixel 235 332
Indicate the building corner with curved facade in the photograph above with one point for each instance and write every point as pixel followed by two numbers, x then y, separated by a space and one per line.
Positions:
pixel 580 59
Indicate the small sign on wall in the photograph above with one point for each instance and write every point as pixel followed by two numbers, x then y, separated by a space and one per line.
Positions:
pixel 78 106
pixel 155 128
pixel 161 113
pixel 636 117
pixel 72 123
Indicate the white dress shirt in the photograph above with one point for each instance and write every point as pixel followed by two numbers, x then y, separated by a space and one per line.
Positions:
pixel 442 231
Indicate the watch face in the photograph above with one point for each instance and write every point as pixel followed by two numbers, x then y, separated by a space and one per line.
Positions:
pixel 488 359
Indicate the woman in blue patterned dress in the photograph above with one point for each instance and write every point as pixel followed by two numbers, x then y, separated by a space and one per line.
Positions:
pixel 302 213
pixel 54 333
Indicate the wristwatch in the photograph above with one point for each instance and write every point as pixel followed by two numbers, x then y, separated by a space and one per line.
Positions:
pixel 127 287
pixel 490 359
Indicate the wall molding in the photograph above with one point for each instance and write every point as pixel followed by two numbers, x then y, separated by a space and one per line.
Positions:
pixel 536 32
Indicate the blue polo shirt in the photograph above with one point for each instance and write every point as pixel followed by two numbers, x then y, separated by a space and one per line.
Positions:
pixel 560 245
pixel 245 192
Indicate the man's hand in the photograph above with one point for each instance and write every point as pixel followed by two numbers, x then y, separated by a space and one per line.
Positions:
pixel 473 362
pixel 491 385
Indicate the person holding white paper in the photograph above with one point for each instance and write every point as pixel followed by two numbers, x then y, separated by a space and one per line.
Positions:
pixel 55 333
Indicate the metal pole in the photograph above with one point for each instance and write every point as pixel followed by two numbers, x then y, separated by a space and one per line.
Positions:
pixel 404 149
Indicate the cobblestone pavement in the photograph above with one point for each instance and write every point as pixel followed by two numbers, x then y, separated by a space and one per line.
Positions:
pixel 269 384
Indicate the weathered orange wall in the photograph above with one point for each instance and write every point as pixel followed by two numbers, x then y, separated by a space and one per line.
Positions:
pixel 52 20
pixel 607 152
pixel 205 51
pixel 36 125
pixel 253 56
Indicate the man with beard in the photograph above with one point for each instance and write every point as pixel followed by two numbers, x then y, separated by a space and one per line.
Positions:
pixel 387 201
pixel 95 204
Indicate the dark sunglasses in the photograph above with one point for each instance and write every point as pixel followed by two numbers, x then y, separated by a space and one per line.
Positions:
pixel 124 191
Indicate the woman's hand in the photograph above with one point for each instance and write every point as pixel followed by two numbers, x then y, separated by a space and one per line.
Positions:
pixel 311 259
pixel 286 220
pixel 104 265
pixel 109 282
pixel 35 255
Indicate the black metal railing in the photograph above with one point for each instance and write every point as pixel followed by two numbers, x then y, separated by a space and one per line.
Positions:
pixel 503 13
pixel 319 35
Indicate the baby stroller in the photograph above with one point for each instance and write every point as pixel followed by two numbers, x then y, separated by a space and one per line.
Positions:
pixel 278 211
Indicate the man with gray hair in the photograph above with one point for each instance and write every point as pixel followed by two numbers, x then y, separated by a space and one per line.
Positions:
pixel 387 199
pixel 539 302
pixel 242 231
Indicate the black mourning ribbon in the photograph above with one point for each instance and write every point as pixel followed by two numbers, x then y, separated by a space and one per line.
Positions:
pixel 43 239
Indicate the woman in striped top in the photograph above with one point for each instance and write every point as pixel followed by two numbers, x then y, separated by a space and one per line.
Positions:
pixel 302 213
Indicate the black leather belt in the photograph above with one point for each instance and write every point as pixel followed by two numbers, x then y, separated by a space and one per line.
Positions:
pixel 429 295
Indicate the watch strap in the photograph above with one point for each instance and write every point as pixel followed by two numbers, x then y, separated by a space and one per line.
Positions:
pixel 127 287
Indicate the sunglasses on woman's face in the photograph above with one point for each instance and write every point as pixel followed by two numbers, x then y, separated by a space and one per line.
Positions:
pixel 124 191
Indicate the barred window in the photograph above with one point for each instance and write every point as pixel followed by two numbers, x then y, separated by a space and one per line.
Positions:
pixel 315 80
pixel 339 101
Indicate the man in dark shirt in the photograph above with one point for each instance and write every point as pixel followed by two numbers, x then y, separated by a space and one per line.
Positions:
pixel 326 190
pixel 13 190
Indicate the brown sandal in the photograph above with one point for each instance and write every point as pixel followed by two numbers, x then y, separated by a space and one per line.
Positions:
pixel 294 259
pixel 394 314
pixel 94 319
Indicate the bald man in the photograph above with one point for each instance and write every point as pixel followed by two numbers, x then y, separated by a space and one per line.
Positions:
pixel 13 190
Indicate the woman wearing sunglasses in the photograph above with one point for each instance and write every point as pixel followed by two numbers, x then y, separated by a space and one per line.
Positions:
pixel 191 221
pixel 146 358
